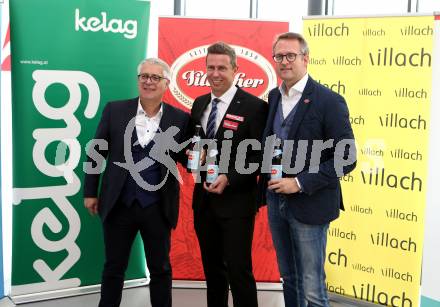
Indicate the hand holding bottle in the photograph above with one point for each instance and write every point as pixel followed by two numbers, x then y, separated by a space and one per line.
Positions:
pixel 218 186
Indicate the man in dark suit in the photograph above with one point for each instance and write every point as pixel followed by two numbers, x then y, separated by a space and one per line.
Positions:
pixel 145 199
pixel 224 211
pixel 303 203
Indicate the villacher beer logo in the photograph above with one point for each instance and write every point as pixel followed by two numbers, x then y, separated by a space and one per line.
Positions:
pixel 189 79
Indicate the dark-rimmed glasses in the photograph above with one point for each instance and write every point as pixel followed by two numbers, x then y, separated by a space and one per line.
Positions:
pixel 153 78
pixel 290 57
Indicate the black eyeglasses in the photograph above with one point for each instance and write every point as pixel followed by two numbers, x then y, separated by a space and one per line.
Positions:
pixel 290 57
pixel 153 78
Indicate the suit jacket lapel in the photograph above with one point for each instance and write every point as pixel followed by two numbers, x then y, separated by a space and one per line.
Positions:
pixel 124 119
pixel 131 111
pixel 166 120
pixel 273 105
pixel 199 112
pixel 303 106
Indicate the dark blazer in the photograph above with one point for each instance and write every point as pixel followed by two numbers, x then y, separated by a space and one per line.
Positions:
pixel 114 120
pixel 321 115
pixel 239 197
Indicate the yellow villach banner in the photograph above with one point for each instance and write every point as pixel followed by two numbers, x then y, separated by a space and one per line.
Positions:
pixel 382 66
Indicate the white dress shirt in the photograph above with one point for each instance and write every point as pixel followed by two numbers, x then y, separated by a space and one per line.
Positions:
pixel 222 106
pixel 146 126
pixel 290 99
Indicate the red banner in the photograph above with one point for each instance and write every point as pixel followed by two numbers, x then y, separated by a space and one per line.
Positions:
pixel 6 52
pixel 183 44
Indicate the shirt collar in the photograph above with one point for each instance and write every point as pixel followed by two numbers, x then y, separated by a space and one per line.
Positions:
pixel 298 87
pixel 140 111
pixel 227 96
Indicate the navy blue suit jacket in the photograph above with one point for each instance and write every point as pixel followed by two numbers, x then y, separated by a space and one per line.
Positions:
pixel 115 118
pixel 321 115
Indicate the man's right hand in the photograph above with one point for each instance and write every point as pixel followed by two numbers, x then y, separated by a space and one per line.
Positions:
pixel 91 203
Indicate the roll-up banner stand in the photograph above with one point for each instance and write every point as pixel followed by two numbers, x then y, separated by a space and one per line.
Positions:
pixel 183 44
pixel 383 67
pixel 430 296
pixel 5 150
pixel 66 66
pixel 2 291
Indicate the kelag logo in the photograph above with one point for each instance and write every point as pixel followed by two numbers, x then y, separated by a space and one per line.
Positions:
pixel 94 24
pixel 189 80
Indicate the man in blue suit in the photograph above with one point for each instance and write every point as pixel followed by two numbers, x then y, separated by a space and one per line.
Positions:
pixel 308 197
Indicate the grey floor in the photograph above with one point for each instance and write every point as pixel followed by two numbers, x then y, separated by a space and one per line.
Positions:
pixel 138 297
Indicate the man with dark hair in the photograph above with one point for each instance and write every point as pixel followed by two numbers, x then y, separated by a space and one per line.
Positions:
pixel 224 211
pixel 302 203
pixel 146 203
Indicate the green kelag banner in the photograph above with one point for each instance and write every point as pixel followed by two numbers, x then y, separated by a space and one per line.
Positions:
pixel 69 59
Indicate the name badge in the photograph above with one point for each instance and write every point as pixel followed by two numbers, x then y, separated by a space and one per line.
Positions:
pixel 235 117
pixel 230 125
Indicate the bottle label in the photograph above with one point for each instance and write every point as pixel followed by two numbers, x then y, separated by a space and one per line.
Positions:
pixel 195 139
pixel 211 173
pixel 276 172
pixel 193 160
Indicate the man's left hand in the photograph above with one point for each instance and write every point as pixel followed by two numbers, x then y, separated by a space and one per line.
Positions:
pixel 284 185
pixel 218 185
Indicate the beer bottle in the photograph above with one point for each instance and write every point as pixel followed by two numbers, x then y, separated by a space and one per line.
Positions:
pixel 276 171
pixel 194 151
pixel 212 164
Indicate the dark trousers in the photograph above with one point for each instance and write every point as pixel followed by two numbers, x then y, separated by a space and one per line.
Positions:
pixel 120 229
pixel 225 245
